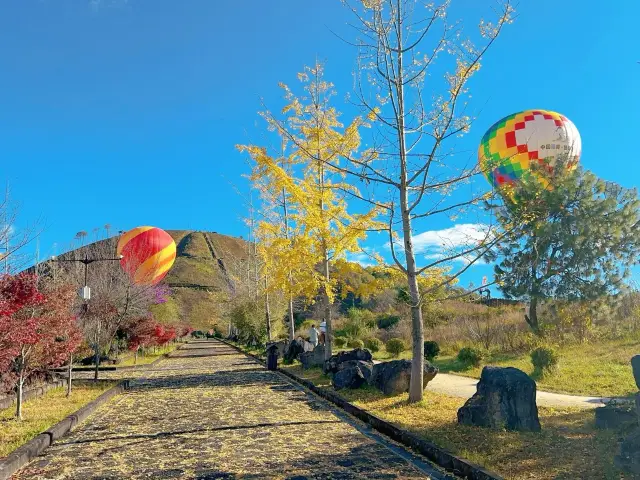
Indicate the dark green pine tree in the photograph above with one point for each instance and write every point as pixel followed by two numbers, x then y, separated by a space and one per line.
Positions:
pixel 577 240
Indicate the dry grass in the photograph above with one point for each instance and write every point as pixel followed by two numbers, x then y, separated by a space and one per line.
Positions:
pixel 43 412
pixel 128 359
pixel 569 446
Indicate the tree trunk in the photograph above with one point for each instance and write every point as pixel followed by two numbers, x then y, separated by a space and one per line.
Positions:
pixel 292 321
pixel 135 356
pixel 532 318
pixel 328 341
pixel 267 311
pixel 19 396
pixel 417 327
pixel 96 359
pixel 69 375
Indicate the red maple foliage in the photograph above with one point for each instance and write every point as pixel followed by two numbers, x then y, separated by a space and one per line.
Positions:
pixel 37 328
pixel 142 333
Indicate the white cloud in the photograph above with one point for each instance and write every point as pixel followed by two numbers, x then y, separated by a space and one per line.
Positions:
pixel 439 244
pixel 458 236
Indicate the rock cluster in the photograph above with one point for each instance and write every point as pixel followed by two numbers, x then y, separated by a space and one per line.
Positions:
pixel 355 368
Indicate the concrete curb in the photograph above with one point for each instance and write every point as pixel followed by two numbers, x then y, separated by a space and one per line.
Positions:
pixel 34 447
pixel 441 457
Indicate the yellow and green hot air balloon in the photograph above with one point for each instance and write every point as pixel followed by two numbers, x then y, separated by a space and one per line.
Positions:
pixel 513 145
pixel 147 254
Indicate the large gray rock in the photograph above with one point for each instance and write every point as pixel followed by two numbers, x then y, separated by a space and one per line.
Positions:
pixel 394 377
pixel 635 364
pixel 366 368
pixel 294 350
pixel 333 363
pixel 629 457
pixel 505 398
pixel 638 407
pixel 350 377
pixel 615 417
pixel 314 358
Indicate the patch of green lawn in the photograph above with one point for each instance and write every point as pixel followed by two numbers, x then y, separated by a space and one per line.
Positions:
pixel 41 413
pixel 593 369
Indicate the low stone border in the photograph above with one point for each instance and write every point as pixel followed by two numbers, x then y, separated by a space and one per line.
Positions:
pixel 29 393
pixel 34 447
pixel 113 368
pixel 441 457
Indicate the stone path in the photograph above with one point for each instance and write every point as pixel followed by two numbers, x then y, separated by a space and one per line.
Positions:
pixel 465 387
pixel 209 412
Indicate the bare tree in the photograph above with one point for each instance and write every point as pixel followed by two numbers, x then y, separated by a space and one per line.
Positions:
pixel 81 236
pixel 410 171
pixel 13 239
pixel 115 299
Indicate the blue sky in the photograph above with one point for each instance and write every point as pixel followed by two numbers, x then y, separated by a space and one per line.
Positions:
pixel 127 111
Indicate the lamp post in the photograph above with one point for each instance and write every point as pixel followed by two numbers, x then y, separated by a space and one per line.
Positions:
pixel 85 293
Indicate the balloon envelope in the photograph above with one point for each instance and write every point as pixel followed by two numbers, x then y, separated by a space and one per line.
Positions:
pixel 148 254
pixel 513 145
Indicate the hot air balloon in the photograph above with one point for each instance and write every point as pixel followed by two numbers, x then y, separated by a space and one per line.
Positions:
pixel 513 145
pixel 147 254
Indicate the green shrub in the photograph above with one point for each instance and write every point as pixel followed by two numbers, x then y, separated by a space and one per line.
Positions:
pixel 387 321
pixel 358 322
pixel 355 344
pixel 372 344
pixel 544 359
pixel 431 350
pixel 396 346
pixel 339 342
pixel 470 356
pixel 217 334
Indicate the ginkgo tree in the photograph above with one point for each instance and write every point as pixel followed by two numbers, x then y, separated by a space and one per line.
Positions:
pixel 322 230
pixel 414 68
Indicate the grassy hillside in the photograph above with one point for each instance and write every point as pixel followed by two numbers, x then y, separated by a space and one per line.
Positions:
pixel 201 278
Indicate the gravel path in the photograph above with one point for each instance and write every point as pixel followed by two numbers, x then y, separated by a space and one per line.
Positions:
pixel 208 412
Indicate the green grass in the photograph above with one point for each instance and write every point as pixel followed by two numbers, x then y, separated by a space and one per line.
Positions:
pixel 569 446
pixel 129 357
pixel 41 413
pixel 598 369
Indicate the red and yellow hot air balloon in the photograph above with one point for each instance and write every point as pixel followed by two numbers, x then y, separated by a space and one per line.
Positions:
pixel 147 254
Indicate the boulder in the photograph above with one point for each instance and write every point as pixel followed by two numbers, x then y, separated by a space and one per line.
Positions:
pixel 366 368
pixel 314 358
pixel 351 377
pixel 635 364
pixel 629 457
pixel 331 365
pixel 638 407
pixel 293 350
pixel 505 398
pixel 281 345
pixel 394 377
pixel 615 417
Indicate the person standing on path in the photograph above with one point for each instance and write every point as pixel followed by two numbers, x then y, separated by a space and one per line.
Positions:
pixel 323 331
pixel 313 336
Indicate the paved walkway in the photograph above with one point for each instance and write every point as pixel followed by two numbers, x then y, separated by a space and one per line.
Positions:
pixel 209 412
pixel 465 387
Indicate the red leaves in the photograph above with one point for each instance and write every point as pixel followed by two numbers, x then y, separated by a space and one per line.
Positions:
pixel 146 332
pixel 36 326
